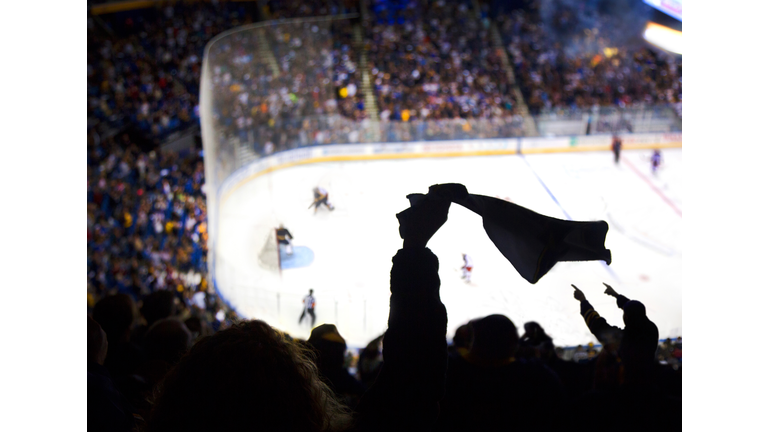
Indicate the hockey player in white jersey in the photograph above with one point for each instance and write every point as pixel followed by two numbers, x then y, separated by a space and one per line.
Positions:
pixel 466 268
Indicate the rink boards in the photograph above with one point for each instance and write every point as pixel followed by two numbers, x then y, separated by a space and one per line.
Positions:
pixel 352 246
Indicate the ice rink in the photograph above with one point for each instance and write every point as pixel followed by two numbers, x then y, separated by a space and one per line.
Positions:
pixel 348 251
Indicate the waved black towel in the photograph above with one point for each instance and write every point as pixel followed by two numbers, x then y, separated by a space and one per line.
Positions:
pixel 533 243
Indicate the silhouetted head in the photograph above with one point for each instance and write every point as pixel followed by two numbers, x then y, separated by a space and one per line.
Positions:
pixel 197 327
pixel 158 305
pixel 634 313
pixel 246 377
pixel 115 314
pixel 374 346
pixel 532 329
pixel 168 339
pixel 97 342
pixel 311 291
pixel 494 338
pixel 535 336
pixel 329 345
pixel 463 336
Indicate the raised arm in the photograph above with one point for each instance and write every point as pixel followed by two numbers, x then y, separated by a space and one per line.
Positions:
pixel 596 324
pixel 407 392
pixel 620 299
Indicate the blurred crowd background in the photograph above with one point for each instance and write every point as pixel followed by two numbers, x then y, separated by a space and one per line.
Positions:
pixel 424 61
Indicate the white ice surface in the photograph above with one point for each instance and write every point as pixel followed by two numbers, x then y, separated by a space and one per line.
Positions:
pixel 353 245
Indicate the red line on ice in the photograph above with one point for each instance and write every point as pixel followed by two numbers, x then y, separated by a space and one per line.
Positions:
pixel 655 189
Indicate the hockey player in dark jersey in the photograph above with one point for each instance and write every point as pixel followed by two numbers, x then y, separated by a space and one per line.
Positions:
pixel 655 161
pixel 284 237
pixel 616 147
pixel 321 197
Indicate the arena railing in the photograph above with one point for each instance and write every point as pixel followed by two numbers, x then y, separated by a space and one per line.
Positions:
pixel 641 118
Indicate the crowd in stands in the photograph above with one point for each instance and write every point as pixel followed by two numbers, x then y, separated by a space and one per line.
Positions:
pixel 435 60
pixel 147 227
pixel 282 93
pixel 144 66
pixel 300 84
pixel 277 9
pixel 155 367
pixel 579 58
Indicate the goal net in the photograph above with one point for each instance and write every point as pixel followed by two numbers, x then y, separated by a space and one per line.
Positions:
pixel 269 256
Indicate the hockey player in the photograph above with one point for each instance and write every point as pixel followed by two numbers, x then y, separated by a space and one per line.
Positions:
pixel 655 161
pixel 616 147
pixel 284 237
pixel 309 307
pixel 467 268
pixel 321 197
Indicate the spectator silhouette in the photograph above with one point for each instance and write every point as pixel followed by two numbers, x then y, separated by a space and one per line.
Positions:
pixel 668 371
pixel 107 408
pixel 536 343
pixel 331 347
pixel 370 362
pixel 635 408
pixel 198 327
pixel 624 381
pixel 156 306
pixel 164 344
pixel 116 315
pixel 639 338
pixel 608 369
pixel 248 376
pixel 462 338
pixel 407 391
pixel 97 343
pixel 485 381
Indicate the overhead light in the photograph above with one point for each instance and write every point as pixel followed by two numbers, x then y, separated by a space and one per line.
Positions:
pixel 664 37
